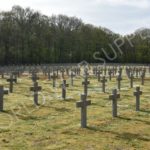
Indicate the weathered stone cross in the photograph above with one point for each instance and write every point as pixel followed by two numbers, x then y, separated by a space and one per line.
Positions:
pixel 36 89
pixel 34 77
pixel 64 85
pixel 110 73
pixel 86 83
pixel 86 73
pixel 83 105
pixel 49 74
pixel 131 80
pixel 114 98
pixel 137 94
pixel 105 70
pixel 120 71
pixel 63 71
pixel 137 72
pixel 54 77
pixel 11 80
pixel 119 78
pixel 72 76
pixel 99 75
pixel 142 77
pixel 103 81
pixel 15 75
pixel 2 92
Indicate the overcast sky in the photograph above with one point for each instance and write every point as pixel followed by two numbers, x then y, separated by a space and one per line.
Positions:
pixel 121 16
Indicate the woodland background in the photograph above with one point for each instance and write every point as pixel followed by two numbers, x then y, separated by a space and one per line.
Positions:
pixel 29 37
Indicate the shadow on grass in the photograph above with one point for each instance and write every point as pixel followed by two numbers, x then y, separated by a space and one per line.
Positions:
pixel 23 116
pixel 69 100
pixel 146 111
pixel 5 111
pixel 130 119
pixel 132 136
pixel 124 135
pixel 63 109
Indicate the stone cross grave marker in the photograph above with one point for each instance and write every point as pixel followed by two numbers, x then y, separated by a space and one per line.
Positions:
pixel 105 70
pixel 114 98
pixel 142 77
pixel 131 80
pixel 137 72
pixel 34 77
pixel 49 74
pixel 62 72
pixel 15 75
pixel 67 71
pixel 2 92
pixel 99 75
pixel 94 70
pixel 137 94
pixel 78 71
pixel 11 80
pixel 44 70
pixel 2 72
pixel 72 76
pixel 86 83
pixel 57 72
pixel 119 78
pixel 54 77
pixel 64 85
pixel 36 89
pixel 113 71
pixel 103 81
pixel 86 74
pixel 128 72
pixel 120 71
pixel 110 73
pixel 83 105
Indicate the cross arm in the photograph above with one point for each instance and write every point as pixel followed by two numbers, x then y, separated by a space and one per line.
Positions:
pixel 83 104
pixel 5 91
pixel 138 93
pixel 35 89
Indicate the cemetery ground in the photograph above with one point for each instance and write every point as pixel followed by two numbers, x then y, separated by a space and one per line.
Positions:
pixel 56 123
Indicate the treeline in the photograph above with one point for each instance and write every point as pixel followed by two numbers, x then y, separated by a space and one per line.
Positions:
pixel 28 37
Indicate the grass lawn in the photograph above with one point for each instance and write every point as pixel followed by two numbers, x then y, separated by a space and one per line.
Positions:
pixel 56 123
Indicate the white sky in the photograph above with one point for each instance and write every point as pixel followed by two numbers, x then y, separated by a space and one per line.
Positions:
pixel 121 16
